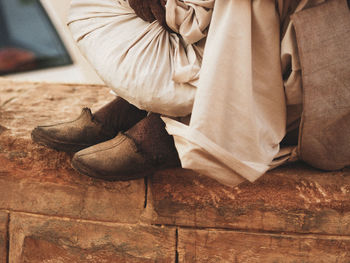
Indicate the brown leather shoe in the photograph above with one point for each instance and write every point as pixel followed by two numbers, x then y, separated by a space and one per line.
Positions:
pixel 117 159
pixel 139 152
pixel 74 135
pixel 90 129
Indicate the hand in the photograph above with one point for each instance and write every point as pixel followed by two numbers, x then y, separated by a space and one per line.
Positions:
pixel 150 10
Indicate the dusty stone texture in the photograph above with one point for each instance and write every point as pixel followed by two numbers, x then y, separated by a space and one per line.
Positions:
pixel 36 179
pixel 44 239
pixel 3 236
pixel 294 198
pixel 228 246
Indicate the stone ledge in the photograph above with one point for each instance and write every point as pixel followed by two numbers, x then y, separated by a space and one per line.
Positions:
pixel 35 179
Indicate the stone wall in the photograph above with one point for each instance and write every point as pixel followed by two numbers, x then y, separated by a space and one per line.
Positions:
pixel 50 213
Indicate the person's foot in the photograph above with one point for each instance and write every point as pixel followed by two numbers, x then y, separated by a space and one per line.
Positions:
pixel 89 129
pixel 139 152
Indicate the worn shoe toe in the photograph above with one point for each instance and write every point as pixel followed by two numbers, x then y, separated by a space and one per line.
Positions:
pixel 116 159
pixel 74 135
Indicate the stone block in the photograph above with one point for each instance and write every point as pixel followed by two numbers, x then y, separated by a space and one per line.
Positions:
pixel 39 180
pixel 44 239
pixel 115 202
pixel 3 236
pixel 229 246
pixel 293 198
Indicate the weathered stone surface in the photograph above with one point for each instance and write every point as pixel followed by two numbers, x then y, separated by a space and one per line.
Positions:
pixel 294 198
pixel 115 202
pixel 3 236
pixel 43 239
pixel 26 105
pixel 39 180
pixel 228 246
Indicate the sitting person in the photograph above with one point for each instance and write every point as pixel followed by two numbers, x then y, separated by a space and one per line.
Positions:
pixel 225 76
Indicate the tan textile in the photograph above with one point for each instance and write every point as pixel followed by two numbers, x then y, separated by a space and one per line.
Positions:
pixel 248 87
pixel 323 34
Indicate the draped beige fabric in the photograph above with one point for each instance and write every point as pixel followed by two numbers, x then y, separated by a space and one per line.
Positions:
pixel 249 93
pixel 245 89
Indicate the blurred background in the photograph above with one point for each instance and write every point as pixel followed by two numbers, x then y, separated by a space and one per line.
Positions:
pixel 36 45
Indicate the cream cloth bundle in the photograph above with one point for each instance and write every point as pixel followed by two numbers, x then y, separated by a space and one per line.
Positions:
pixel 142 62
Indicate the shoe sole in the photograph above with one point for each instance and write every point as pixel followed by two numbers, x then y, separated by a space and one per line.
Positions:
pixel 85 170
pixel 41 139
